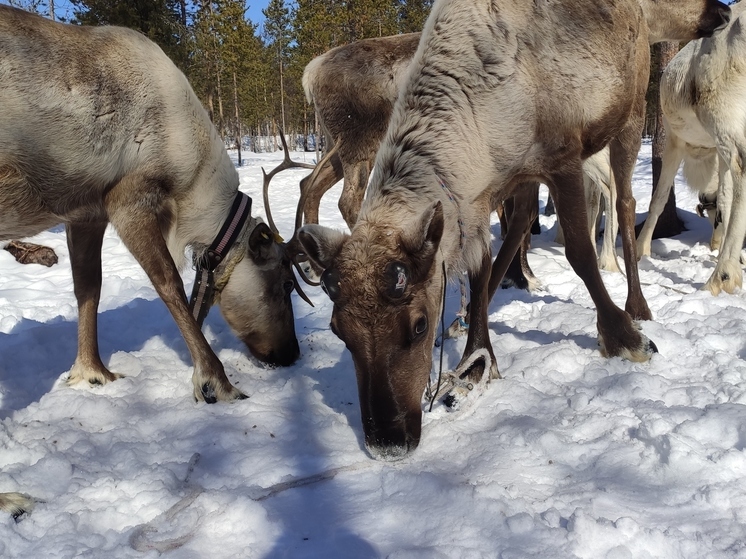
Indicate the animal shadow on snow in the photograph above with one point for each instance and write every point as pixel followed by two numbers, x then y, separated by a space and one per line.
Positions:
pixel 34 355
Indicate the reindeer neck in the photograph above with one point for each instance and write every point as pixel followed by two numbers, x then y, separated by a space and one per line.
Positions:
pixel 201 214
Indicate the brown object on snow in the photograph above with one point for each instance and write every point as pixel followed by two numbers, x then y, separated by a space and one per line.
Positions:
pixel 29 253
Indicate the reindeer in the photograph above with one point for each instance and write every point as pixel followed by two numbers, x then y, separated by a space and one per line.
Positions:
pixel 353 88
pixel 499 93
pixel 702 90
pixel 355 119
pixel 98 126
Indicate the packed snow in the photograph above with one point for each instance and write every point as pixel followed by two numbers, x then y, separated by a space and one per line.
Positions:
pixel 569 455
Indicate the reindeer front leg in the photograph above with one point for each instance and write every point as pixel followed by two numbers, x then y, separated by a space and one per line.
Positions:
pixel 84 242
pixel 727 275
pixel 478 339
pixel 134 208
pixel 478 355
pixel 520 211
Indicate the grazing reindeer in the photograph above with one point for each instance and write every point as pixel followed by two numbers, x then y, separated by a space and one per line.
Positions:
pixel 355 119
pixel 498 94
pixel 98 126
pixel 353 88
pixel 702 91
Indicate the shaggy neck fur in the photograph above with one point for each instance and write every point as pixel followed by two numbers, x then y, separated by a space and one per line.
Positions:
pixel 431 139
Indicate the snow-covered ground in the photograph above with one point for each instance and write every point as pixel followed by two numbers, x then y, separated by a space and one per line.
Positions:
pixel 570 455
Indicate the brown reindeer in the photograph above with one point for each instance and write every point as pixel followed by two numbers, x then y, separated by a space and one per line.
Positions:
pixel 98 126
pixel 353 89
pixel 499 93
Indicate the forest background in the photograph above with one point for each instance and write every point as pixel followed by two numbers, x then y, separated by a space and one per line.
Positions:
pixel 248 73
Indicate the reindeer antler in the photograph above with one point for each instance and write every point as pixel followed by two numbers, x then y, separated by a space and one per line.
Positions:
pixel 287 163
pixel 292 246
pixel 313 177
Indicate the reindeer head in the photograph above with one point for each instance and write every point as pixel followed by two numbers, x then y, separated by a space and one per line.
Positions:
pixel 256 300
pixel 386 285
pixel 684 20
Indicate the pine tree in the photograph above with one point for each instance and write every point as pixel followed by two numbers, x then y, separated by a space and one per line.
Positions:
pixel 277 35
pixel 159 20
pixel 412 14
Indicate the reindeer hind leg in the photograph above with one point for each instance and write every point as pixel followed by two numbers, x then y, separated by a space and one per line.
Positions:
pixel 618 335
pixel 84 241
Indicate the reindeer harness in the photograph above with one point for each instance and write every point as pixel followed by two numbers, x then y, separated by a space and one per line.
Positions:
pixel 204 288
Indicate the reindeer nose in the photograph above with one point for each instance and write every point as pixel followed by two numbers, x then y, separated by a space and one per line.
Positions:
pixel 285 356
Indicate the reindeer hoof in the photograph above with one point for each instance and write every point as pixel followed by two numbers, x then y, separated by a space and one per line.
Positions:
pixel 456 396
pixel 457 329
pixel 208 393
pixel 17 504
pixel 93 376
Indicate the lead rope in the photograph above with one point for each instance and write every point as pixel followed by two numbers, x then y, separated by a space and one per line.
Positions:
pixel 461 314
pixel 433 395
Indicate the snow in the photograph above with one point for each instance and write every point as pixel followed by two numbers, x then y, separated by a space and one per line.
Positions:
pixel 569 455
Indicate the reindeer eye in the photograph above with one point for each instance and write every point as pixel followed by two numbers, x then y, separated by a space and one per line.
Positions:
pixel 330 283
pixel 397 278
pixel 420 327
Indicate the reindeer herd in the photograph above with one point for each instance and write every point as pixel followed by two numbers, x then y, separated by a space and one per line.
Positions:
pixel 431 133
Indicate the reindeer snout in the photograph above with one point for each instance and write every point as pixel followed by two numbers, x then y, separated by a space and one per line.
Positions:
pixel 283 357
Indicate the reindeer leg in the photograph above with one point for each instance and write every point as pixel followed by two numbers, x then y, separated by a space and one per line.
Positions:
pixel 618 335
pixel 137 209
pixel 478 355
pixel 672 157
pixel 608 260
pixel 84 241
pixel 521 210
pixel 519 215
pixel 623 151
pixel 728 275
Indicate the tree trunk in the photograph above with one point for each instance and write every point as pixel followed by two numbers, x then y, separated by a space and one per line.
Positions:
pixel 669 223
pixel 238 118
pixel 282 97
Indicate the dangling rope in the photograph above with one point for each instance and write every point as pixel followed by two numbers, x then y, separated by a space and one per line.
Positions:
pixel 429 393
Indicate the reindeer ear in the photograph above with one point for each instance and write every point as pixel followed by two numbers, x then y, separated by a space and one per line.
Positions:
pixel 260 240
pixel 321 243
pixel 423 240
